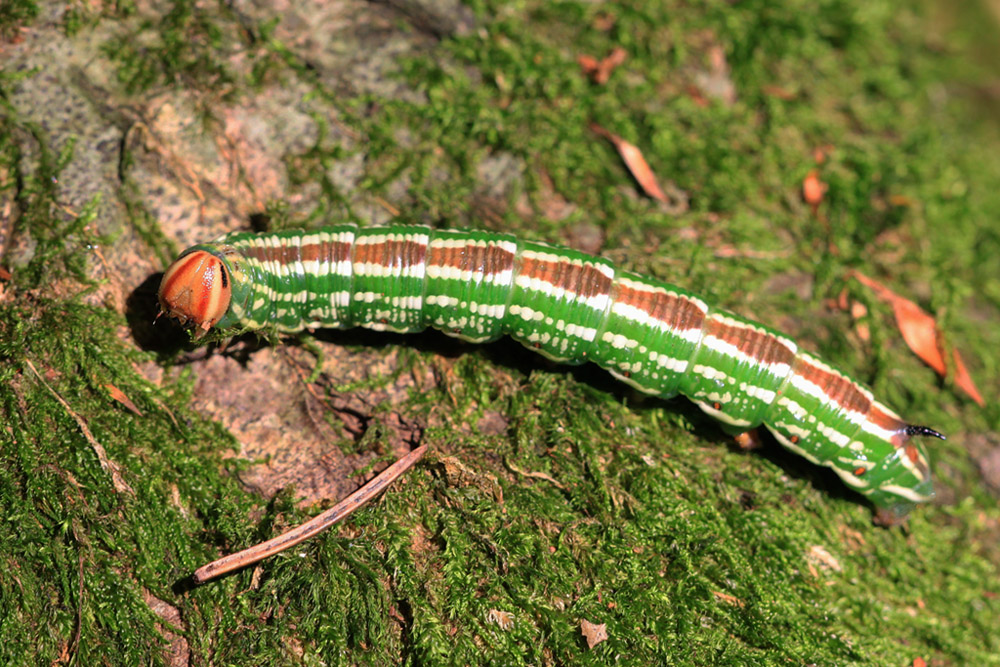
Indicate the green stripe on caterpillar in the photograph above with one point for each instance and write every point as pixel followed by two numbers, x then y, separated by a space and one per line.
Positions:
pixel 569 306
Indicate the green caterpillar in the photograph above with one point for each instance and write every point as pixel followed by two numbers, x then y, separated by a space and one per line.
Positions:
pixel 569 306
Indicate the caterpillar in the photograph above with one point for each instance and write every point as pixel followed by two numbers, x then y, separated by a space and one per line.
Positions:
pixel 569 306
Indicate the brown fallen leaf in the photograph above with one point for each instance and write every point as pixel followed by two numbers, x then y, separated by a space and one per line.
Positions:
pixel 695 94
pixel 5 274
pixel 636 163
pixel 604 22
pixel 599 71
pixel 813 190
pixel 728 599
pixel 716 83
pixel 858 311
pixel 964 380
pixel 503 619
pixel 593 633
pixel 588 64
pixel 821 153
pixel 818 556
pixel 921 334
pixel 120 396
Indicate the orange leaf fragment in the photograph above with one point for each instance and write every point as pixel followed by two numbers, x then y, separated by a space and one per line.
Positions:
pixel 5 274
pixel 588 64
pixel 813 190
pixel 964 381
pixel 599 71
pixel 919 662
pixel 636 163
pixel 821 153
pixel 696 96
pixel 120 396
pixel 920 332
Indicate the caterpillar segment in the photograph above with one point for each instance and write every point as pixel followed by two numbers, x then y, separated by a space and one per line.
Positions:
pixel 569 306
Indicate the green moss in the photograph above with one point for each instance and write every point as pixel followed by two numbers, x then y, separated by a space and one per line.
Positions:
pixel 15 15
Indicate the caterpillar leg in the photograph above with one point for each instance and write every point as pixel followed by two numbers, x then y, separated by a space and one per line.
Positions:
pixel 749 440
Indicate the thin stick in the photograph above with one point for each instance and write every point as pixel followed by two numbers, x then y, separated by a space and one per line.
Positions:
pixel 315 525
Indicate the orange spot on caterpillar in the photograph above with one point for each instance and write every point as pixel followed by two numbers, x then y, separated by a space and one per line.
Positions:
pixel 717 406
pixel 794 439
pixel 537 346
pixel 859 471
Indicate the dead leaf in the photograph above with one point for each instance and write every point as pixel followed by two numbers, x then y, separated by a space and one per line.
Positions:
pixel 588 64
pixel 919 662
pixel 120 396
pixel 920 332
pixel 604 22
pixel 535 475
pixel 859 310
pixel 716 83
pixel 636 163
pixel 728 599
pixel 594 634
pixel 696 96
pixel 599 71
pixel 964 381
pixel 821 153
pixel 4 274
pixel 503 619
pixel 813 190
pixel 823 559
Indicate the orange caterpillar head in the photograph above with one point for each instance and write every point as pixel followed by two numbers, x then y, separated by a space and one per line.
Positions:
pixel 197 290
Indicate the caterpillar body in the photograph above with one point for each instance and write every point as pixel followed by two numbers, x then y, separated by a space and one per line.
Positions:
pixel 569 306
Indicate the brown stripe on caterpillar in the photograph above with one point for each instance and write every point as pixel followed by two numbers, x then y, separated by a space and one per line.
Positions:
pixel 581 280
pixel 671 311
pixel 387 255
pixel 326 252
pixel 456 259
pixel 753 343
pixel 839 389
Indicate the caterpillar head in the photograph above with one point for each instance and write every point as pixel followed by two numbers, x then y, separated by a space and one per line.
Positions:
pixel 197 290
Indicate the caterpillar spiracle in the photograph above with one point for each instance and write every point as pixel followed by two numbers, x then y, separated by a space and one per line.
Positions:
pixel 569 306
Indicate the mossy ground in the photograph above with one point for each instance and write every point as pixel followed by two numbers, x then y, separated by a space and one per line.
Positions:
pixel 551 497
